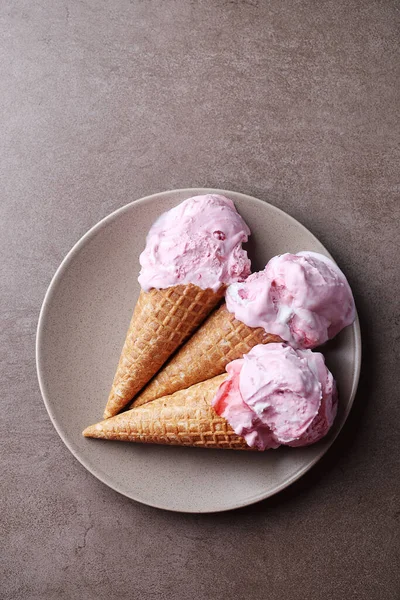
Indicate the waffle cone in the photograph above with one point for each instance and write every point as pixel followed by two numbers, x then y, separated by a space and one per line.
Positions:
pixel 161 322
pixel 186 418
pixel 221 339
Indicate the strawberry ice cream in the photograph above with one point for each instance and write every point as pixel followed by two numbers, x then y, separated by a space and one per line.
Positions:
pixel 276 395
pixel 303 298
pixel 199 242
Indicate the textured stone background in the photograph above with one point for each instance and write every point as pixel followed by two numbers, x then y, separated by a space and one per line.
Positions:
pixel 104 101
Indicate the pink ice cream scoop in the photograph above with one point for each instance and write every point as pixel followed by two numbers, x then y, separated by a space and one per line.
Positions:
pixel 276 395
pixel 304 298
pixel 199 242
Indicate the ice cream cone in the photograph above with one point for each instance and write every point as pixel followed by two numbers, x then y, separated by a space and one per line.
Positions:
pixel 221 339
pixel 162 320
pixel 186 418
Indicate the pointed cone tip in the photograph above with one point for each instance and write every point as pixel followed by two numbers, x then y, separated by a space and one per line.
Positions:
pixel 89 431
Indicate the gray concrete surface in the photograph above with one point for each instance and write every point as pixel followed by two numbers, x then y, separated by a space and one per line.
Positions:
pixel 104 101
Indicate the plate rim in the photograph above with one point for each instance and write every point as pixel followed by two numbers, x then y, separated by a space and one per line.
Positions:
pixel 40 332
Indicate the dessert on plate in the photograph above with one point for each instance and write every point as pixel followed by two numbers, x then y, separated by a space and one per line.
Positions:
pixel 192 253
pixel 247 378
pixel 275 395
pixel 303 299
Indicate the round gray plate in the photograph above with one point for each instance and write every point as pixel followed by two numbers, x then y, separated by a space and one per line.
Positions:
pixel 81 330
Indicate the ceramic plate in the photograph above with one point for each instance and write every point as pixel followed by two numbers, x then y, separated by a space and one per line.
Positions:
pixel 81 330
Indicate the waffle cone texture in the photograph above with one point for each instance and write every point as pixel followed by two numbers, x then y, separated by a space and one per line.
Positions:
pixel 161 322
pixel 221 339
pixel 185 418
